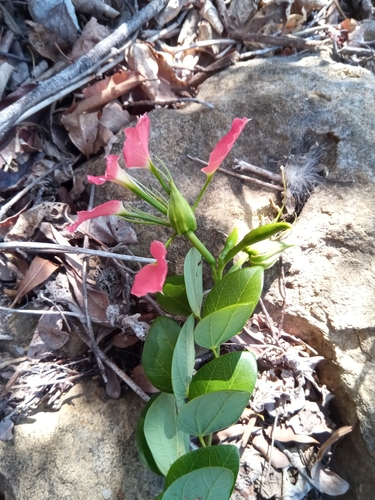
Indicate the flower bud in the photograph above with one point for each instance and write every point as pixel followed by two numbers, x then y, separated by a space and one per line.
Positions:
pixel 269 252
pixel 180 214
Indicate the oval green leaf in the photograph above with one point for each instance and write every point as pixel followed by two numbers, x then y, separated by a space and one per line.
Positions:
pixel 212 412
pixel 226 456
pixel 236 371
pixel 158 352
pixel 208 483
pixel 183 360
pixel 221 325
pixel 141 443
pixel 174 299
pixel 194 280
pixel 241 287
pixel 166 442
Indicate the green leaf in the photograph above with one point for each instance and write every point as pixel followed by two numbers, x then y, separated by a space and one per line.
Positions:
pixel 183 360
pixel 236 371
pixel 141 443
pixel 208 483
pixel 194 280
pixel 241 287
pixel 213 456
pixel 256 235
pixel 212 412
pixel 158 352
pixel 174 299
pixel 166 442
pixel 221 325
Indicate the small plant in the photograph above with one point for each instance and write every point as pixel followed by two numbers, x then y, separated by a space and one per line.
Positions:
pixel 191 404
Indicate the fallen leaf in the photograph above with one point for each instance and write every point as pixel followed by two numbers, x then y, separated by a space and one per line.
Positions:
pixel 286 435
pixel 58 16
pixel 112 387
pixel 50 329
pixel 123 341
pixel 5 72
pixel 39 271
pixel 6 430
pixel 142 381
pixel 327 481
pixel 339 433
pixel 277 457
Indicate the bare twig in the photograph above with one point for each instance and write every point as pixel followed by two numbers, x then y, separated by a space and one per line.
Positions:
pixel 53 248
pixel 41 312
pixel 178 100
pixel 48 88
pixel 243 166
pixel 94 345
pixel 206 43
pixel 251 179
pixel 280 41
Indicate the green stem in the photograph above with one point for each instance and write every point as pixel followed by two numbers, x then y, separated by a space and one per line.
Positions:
pixel 208 180
pixel 208 439
pixel 157 174
pixel 201 440
pixel 195 241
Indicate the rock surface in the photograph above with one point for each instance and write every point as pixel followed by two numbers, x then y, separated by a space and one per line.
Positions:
pixel 330 274
pixel 85 450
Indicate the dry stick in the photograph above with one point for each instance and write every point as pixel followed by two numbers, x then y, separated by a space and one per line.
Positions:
pixel 94 345
pixel 21 194
pixel 41 312
pixel 167 103
pixel 206 43
pixel 280 41
pixel 243 166
pixel 251 179
pixel 48 88
pixel 242 177
pixel 52 247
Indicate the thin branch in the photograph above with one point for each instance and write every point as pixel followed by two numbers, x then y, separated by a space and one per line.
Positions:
pixel 47 88
pixel 51 247
pixel 178 100
pixel 41 312
pixel 206 43
pixel 251 179
pixel 94 345
pixel 243 166
pixel 280 41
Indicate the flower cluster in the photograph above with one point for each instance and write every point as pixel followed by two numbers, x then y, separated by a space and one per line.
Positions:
pixel 175 212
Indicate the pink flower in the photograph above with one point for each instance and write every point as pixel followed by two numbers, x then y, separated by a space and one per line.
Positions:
pixel 113 173
pixel 135 149
pixel 224 146
pixel 151 278
pixel 113 207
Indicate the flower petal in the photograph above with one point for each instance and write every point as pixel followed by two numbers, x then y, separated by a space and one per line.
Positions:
pixel 151 278
pixel 224 146
pixel 135 149
pixel 113 173
pixel 113 207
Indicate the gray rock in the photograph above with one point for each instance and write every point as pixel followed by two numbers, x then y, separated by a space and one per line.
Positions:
pixel 83 449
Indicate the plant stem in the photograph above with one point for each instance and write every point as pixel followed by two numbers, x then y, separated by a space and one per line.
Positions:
pixel 201 440
pixel 208 180
pixel 196 242
pixel 208 439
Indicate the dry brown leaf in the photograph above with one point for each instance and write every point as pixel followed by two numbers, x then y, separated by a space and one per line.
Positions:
pixel 97 301
pixel 59 17
pixel 92 34
pixel 28 221
pixel 46 42
pixel 278 459
pixel 50 329
pixel 188 32
pixel 240 12
pixel 235 431
pixel 339 433
pixel 270 18
pixel 10 221
pixel 142 61
pixel 210 14
pixel 112 387
pixel 114 118
pixel 170 11
pixel 123 341
pixel 142 381
pixel 83 131
pixel 5 72
pixel 327 481
pixel 286 435
pixel 39 271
